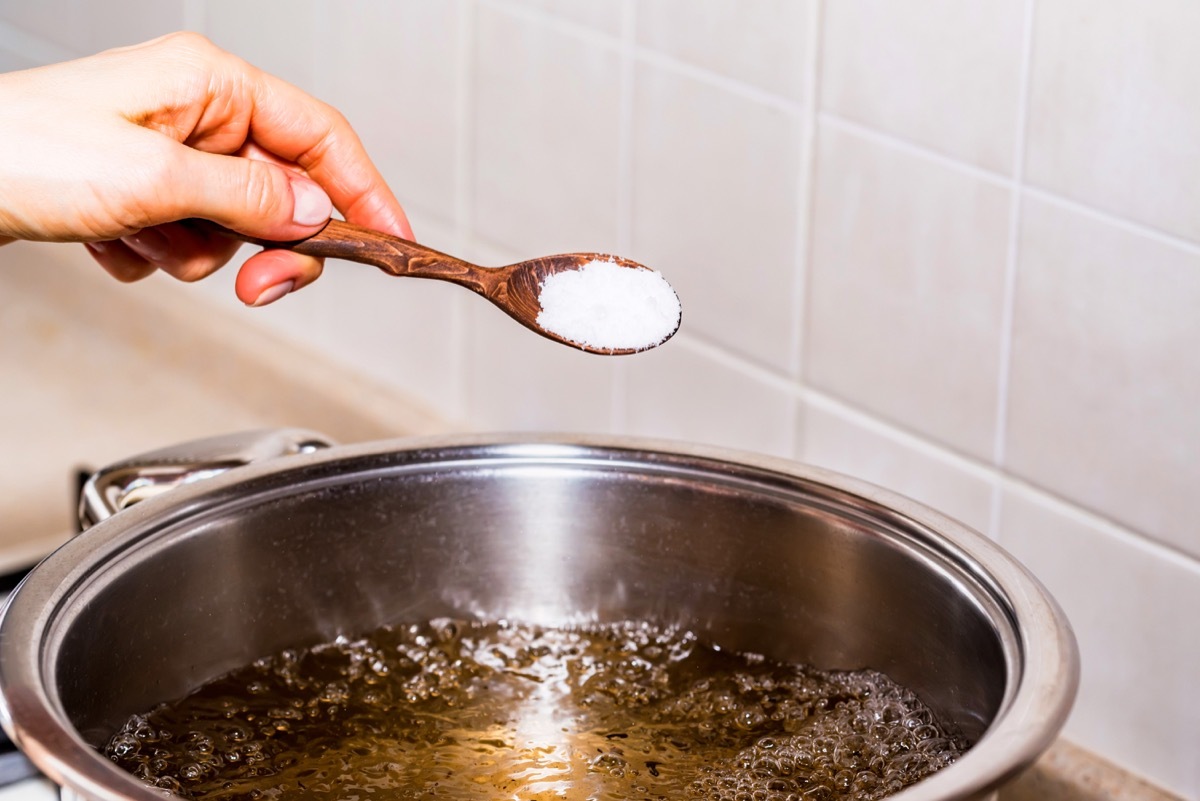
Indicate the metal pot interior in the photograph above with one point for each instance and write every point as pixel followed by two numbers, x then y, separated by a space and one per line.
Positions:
pixel 179 590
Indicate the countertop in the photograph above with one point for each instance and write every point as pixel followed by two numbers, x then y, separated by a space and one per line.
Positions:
pixel 95 372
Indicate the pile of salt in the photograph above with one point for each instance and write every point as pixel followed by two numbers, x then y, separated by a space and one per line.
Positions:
pixel 605 306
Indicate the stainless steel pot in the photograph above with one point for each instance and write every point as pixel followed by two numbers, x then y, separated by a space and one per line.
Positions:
pixel 754 553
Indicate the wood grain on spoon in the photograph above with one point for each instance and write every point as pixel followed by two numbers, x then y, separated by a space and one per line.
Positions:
pixel 513 288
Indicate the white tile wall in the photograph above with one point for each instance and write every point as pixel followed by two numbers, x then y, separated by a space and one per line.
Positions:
pixel 717 213
pixel 762 44
pixel 1133 608
pixel 406 116
pixel 689 392
pixel 546 112
pixel 10 61
pixel 1105 375
pixel 279 36
pixel 843 439
pixel 948 77
pixel 84 27
pixel 950 249
pixel 603 17
pixel 1111 117
pixel 518 381
pixel 906 288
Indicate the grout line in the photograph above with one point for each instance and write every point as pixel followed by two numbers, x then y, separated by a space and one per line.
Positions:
pixel 649 56
pixel 906 437
pixel 464 222
pixel 805 225
pixel 30 46
pixel 806 194
pixel 750 363
pixel 194 18
pixel 464 135
pixel 715 79
pixel 736 362
pixel 625 129
pixel 1124 224
pixel 1094 520
pixel 619 398
pixel 323 67
pixel 911 148
pixel 1011 266
pixel 997 179
pixel 557 23
pixel 999 478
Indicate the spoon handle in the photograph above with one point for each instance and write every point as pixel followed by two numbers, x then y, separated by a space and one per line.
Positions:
pixel 393 255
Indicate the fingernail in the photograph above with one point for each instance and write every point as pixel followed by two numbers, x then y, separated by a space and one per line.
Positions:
pixel 149 243
pixel 273 293
pixel 311 206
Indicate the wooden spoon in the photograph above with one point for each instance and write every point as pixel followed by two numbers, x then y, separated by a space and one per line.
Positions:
pixel 514 288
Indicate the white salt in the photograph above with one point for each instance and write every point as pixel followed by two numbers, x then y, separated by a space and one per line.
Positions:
pixel 605 306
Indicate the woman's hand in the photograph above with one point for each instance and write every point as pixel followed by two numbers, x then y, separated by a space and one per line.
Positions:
pixel 120 150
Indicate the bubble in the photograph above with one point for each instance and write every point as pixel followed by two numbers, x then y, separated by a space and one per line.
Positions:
pixel 191 772
pixel 123 745
pixel 462 709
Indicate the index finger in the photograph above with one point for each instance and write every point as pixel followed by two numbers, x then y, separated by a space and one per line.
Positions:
pixel 300 129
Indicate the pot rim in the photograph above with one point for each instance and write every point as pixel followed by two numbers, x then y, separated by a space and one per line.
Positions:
pixel 1037 699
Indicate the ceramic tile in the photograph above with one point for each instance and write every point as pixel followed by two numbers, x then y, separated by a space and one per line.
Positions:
pixel 763 44
pixel 715 209
pixel 393 70
pixel 300 317
pixel 278 36
pixel 519 381
pixel 83 28
pixel 1132 608
pixel 859 447
pixel 10 61
pixel 116 23
pixel 545 138
pixel 63 22
pixel 402 332
pixel 603 17
pixel 1105 382
pixel 947 77
pixel 906 289
pixel 1110 117
pixel 681 392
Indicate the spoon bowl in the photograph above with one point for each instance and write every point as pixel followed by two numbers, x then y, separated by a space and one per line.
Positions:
pixel 516 288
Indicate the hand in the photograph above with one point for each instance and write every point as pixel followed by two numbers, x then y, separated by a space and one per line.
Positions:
pixel 120 150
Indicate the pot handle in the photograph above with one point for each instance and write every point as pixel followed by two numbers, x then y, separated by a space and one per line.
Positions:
pixel 124 483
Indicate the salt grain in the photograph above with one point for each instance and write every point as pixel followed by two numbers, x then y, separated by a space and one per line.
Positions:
pixel 605 306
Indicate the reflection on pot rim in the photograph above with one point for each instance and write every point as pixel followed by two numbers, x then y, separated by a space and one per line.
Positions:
pixel 751 551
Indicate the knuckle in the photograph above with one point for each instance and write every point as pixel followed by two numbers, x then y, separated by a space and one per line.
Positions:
pixel 264 190
pixel 188 41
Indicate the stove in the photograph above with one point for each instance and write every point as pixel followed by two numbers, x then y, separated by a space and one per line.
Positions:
pixel 14 767
pixel 19 779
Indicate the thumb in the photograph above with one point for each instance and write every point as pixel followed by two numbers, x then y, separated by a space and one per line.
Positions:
pixel 253 197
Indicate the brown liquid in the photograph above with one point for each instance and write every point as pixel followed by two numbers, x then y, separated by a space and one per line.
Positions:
pixel 457 710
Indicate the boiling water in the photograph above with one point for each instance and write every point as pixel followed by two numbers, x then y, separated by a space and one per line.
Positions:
pixel 458 710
